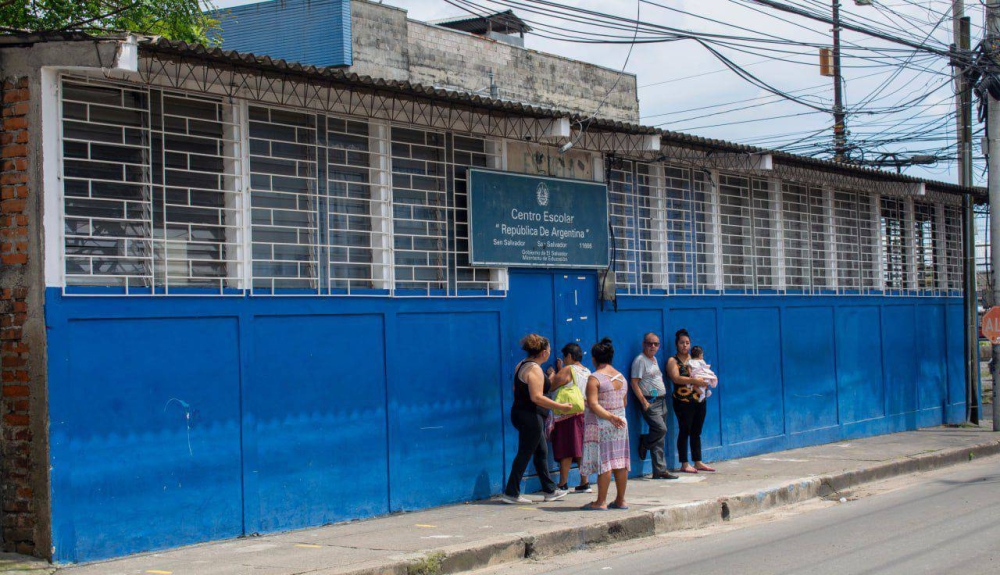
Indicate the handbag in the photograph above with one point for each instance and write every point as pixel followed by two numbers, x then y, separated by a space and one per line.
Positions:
pixel 572 395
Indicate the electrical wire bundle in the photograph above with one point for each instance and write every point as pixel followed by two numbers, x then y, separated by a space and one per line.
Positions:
pixel 899 51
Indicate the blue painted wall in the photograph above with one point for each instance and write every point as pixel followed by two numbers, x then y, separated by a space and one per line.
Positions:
pixel 316 32
pixel 176 420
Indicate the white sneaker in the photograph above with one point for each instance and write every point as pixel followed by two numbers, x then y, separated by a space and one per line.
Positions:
pixel 556 495
pixel 519 500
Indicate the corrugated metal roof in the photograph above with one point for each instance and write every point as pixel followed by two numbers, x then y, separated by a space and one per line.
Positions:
pixel 178 49
pixel 162 46
pixel 503 22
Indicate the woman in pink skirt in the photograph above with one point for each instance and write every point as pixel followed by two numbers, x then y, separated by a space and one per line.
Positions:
pixel 605 434
pixel 567 432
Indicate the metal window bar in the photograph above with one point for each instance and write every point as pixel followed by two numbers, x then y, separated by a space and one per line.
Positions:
pixel 736 234
pixel 868 244
pixel 622 209
pixel 894 252
pixel 420 212
pixel 765 235
pixel 797 238
pixel 196 174
pixel 924 256
pixel 355 209
pixel 706 221
pixel 953 248
pixel 284 201
pixel 820 236
pixel 106 194
pixel 680 246
pixel 847 236
pixel 651 215
pixel 151 190
pixel 982 255
pixel 471 152
pixel 941 250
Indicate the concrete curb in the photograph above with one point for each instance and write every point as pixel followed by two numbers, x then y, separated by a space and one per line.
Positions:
pixel 658 520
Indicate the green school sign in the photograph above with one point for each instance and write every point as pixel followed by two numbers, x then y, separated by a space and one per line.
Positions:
pixel 533 221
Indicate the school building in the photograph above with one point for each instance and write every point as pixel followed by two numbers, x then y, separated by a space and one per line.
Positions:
pixel 277 285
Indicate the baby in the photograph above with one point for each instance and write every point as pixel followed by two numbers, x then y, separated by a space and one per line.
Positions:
pixel 703 371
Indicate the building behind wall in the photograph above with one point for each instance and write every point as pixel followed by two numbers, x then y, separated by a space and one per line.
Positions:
pixel 244 280
pixel 380 41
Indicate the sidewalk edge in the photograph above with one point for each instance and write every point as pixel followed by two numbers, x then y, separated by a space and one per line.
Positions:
pixel 649 522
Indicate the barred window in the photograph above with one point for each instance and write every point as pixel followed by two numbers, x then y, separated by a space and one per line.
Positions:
pixel 953 247
pixel 982 235
pixel 894 239
pixel 151 182
pixel 420 211
pixel 200 193
pixel 678 219
pixel 639 219
pixel 651 226
pixel 924 256
pixel 765 235
pixel 622 209
pixel 854 236
pixel 319 205
pixel 797 237
pixel 736 233
pixel 820 240
pixel 706 226
pixel 284 200
pixel 106 182
pixel 357 207
pixel 155 192
pixel 868 240
pixel 471 152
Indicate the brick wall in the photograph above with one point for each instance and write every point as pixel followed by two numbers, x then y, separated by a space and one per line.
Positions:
pixel 16 501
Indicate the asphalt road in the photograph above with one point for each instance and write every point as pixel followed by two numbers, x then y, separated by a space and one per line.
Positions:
pixel 946 521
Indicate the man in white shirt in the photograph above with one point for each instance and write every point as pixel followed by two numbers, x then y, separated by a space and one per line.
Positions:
pixel 650 391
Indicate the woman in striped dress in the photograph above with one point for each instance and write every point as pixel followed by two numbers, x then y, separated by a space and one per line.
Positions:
pixel 605 433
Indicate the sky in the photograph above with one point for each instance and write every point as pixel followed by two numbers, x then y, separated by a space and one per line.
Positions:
pixel 891 91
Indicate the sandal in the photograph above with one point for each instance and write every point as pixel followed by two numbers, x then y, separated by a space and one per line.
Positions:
pixel 688 469
pixel 616 506
pixel 705 468
pixel 590 507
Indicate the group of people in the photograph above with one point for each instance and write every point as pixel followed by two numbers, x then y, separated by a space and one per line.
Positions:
pixel 596 439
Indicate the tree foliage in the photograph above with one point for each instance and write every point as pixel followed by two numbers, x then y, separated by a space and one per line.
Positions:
pixel 175 19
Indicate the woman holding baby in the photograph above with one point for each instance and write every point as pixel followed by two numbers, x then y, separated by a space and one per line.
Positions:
pixel 690 391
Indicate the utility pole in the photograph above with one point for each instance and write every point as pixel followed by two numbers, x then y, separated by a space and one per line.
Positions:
pixel 993 130
pixel 963 125
pixel 839 130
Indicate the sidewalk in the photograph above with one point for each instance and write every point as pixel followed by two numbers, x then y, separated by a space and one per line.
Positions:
pixel 473 535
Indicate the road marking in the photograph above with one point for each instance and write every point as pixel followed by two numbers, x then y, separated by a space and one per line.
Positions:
pixel 308 546
pixel 425 526
pixel 158 572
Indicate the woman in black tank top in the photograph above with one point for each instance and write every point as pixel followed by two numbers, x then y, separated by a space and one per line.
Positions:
pixel 690 412
pixel 527 413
